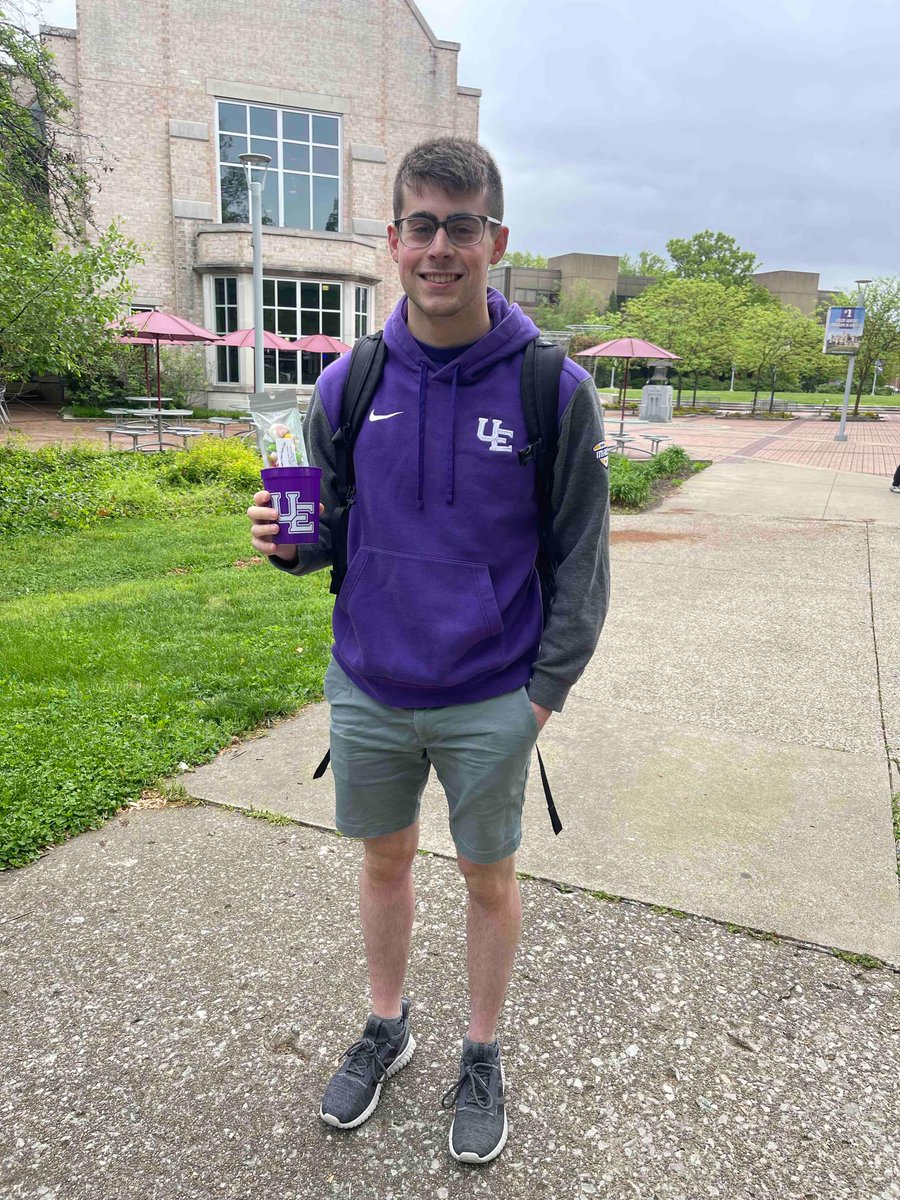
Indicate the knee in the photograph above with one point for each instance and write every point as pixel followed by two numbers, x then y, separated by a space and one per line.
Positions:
pixel 389 859
pixel 489 883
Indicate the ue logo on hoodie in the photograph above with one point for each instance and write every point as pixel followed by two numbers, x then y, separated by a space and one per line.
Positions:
pixel 497 437
pixel 298 513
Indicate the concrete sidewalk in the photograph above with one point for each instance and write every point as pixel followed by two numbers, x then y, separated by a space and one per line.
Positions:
pixel 727 751
pixel 178 986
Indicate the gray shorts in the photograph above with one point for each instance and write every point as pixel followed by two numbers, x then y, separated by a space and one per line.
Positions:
pixel 381 757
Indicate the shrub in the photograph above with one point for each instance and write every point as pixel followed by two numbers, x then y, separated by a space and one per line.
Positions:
pixel 216 460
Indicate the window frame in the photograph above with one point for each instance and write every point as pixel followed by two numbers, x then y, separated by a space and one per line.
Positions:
pixel 280 169
pixel 364 313
pixel 231 353
pixel 301 355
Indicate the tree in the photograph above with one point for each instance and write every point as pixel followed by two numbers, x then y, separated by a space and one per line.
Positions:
pixel 578 306
pixel 522 258
pixel 56 302
pixel 776 338
pixel 712 256
pixel 696 319
pixel 881 333
pixel 37 154
pixel 646 263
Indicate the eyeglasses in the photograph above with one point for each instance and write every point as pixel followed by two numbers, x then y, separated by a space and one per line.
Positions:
pixel 462 229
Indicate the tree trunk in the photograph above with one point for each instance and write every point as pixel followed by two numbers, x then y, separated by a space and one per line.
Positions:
pixel 678 401
pixel 694 396
pixel 755 392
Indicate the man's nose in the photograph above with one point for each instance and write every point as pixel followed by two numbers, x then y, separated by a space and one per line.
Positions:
pixel 441 244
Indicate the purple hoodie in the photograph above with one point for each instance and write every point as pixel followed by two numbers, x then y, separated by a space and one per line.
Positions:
pixel 441 603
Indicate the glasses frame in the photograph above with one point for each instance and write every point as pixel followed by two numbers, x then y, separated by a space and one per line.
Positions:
pixel 485 221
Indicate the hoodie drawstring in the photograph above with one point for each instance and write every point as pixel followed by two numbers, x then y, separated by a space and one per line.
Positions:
pixel 420 483
pixel 451 447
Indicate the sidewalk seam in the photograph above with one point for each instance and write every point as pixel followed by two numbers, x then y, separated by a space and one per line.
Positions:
pixel 884 737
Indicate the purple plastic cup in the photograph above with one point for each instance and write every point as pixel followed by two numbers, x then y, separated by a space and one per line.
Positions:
pixel 295 494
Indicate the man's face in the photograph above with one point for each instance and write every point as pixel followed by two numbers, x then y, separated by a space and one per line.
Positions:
pixel 443 280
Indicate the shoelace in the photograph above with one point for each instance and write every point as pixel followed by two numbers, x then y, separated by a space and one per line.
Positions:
pixel 360 1055
pixel 479 1084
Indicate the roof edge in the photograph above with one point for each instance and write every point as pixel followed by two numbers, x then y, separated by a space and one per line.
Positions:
pixel 434 41
pixel 57 31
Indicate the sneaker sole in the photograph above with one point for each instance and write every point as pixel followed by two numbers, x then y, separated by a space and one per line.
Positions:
pixel 469 1156
pixel 397 1065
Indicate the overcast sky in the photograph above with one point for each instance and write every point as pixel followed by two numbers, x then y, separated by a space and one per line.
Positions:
pixel 618 126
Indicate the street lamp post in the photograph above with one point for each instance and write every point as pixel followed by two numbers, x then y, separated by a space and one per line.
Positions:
pixel 841 435
pixel 879 366
pixel 255 187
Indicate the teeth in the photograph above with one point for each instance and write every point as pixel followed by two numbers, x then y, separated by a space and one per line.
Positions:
pixel 440 278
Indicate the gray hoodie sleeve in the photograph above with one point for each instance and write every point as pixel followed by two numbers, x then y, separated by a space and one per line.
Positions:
pixel 581 533
pixel 320 451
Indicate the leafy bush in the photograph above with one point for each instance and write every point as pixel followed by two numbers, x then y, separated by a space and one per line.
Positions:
pixel 63 488
pixel 216 459
pixel 631 482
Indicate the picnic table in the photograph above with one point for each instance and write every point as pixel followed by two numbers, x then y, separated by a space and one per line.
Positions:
pixel 162 415
pixel 656 438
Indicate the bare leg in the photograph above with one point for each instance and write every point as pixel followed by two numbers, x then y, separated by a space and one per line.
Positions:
pixel 386 908
pixel 493 927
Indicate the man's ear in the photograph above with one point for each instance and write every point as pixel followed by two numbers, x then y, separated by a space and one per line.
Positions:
pixel 393 243
pixel 500 243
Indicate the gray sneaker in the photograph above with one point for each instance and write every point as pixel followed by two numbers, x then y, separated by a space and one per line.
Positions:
pixel 479 1128
pixel 385 1048
pixel 895 488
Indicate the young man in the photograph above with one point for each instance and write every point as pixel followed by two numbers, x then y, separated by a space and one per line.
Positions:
pixel 441 653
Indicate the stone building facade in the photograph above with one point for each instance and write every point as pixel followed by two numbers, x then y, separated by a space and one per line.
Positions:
pixel 334 91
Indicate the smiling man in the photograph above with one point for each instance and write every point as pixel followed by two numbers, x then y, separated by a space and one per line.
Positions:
pixel 444 653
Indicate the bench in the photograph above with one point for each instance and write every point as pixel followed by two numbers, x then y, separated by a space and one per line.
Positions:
pixel 132 431
pixel 655 438
pixel 184 434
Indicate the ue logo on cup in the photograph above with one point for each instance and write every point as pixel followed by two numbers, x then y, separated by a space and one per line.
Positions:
pixel 298 513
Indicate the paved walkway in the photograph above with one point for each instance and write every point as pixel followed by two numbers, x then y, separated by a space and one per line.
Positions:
pixel 176 987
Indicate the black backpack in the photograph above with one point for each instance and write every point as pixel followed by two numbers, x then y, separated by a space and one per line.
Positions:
pixel 541 368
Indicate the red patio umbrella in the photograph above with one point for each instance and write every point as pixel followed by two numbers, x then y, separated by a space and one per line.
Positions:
pixel 627 348
pixel 247 338
pixel 159 326
pixel 321 343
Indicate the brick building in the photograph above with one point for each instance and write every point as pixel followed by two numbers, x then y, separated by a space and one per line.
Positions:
pixel 334 91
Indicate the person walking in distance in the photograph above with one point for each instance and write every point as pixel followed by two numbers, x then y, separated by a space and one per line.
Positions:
pixel 448 651
pixel 895 483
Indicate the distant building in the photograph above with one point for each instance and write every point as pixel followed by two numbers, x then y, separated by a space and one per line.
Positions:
pixel 599 274
pixel 334 92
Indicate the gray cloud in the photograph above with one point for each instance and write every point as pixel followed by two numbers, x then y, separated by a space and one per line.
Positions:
pixel 618 126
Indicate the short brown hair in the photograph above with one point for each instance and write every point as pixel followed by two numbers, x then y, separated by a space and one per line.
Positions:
pixel 456 166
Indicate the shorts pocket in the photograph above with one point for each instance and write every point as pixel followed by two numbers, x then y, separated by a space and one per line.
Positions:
pixel 419 620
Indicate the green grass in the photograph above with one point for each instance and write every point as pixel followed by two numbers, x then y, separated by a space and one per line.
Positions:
pixel 133 647
pixel 814 399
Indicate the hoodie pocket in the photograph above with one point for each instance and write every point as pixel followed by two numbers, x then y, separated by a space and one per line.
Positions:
pixel 419 620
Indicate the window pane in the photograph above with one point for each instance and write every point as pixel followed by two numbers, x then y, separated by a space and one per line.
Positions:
pixel 331 295
pixel 309 323
pixel 287 322
pixel 287 367
pixel 234 194
pixel 287 293
pixel 270 199
pixel 234 373
pixel 268 291
pixel 296 157
pixel 325 204
pixel 269 320
pixel 230 146
pixel 325 130
pixel 220 290
pixel 231 284
pixel 264 146
pixel 264 121
pixel 331 324
pixel 312 367
pixel 269 365
pixel 232 117
pixel 296 201
pixel 295 126
pixel 309 295
pixel 325 161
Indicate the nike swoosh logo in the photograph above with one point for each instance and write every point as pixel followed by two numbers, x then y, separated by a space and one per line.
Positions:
pixel 383 416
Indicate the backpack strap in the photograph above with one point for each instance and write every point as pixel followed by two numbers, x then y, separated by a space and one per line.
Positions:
pixel 366 366
pixel 541 369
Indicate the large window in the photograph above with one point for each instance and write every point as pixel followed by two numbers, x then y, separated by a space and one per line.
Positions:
pixel 225 296
pixel 303 183
pixel 293 308
pixel 361 312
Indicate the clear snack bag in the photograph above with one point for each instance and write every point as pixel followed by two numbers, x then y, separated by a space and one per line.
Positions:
pixel 279 430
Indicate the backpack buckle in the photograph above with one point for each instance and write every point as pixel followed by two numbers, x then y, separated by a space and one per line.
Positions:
pixel 530 452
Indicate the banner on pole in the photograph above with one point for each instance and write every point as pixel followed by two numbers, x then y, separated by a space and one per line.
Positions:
pixel 844 330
